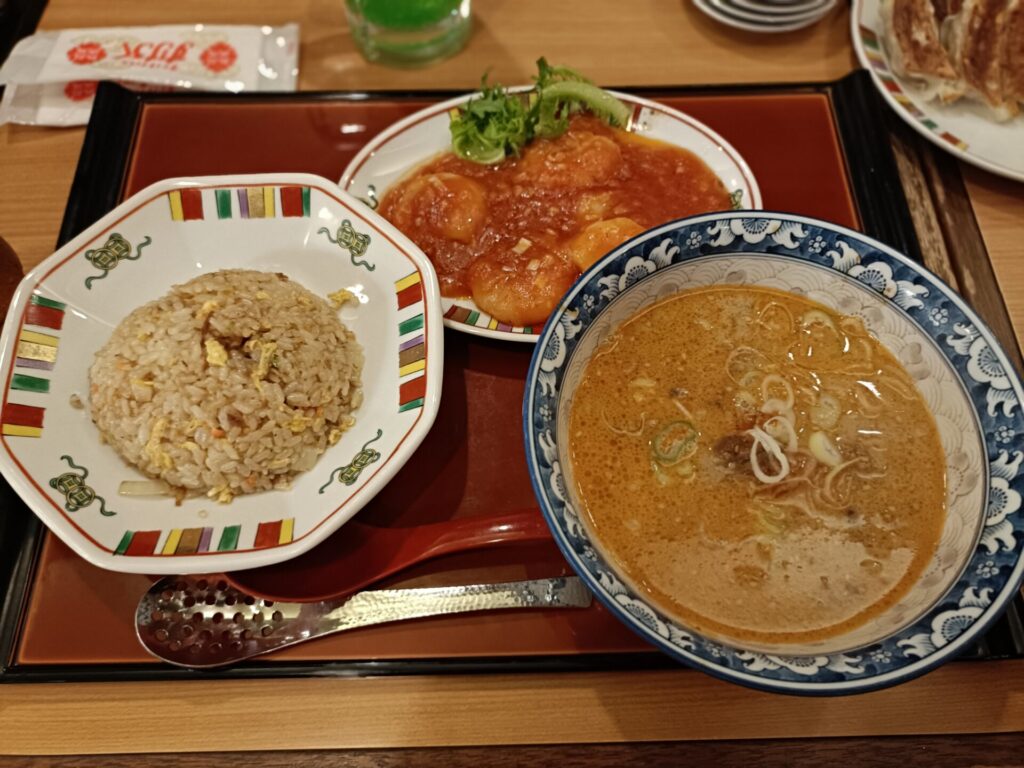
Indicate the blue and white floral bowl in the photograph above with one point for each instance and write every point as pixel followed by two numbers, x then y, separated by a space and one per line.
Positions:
pixel 960 370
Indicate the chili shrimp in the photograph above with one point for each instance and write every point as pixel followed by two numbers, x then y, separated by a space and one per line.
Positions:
pixel 514 236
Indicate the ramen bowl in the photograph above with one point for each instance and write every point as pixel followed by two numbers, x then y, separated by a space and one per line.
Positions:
pixel 959 370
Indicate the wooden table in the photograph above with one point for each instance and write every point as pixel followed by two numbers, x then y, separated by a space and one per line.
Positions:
pixel 641 42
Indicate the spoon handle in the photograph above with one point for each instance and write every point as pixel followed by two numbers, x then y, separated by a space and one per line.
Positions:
pixel 385 605
pixel 201 622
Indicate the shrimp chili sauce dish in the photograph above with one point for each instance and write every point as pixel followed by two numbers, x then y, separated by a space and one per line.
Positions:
pixel 758 465
pixel 537 187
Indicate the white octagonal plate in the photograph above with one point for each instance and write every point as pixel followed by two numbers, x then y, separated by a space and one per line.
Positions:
pixel 171 232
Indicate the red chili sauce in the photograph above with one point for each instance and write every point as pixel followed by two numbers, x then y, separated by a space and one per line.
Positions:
pixel 516 235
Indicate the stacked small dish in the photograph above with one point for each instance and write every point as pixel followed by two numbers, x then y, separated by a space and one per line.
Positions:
pixel 766 15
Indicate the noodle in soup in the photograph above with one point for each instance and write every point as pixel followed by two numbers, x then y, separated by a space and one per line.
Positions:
pixel 757 464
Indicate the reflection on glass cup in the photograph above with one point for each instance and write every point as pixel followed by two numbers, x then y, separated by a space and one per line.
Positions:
pixel 408 32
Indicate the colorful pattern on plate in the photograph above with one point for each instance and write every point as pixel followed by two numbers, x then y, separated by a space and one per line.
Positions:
pixel 45 313
pixel 241 202
pixel 191 541
pixel 22 420
pixel 76 493
pixel 873 48
pixel 478 319
pixel 349 474
pixel 412 345
pixel 112 253
pixel 36 351
pixel 25 383
pixel 349 240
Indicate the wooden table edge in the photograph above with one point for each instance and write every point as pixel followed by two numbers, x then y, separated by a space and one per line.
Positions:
pixel 451 711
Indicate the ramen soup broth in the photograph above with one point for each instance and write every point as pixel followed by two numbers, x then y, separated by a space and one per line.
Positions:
pixel 757 464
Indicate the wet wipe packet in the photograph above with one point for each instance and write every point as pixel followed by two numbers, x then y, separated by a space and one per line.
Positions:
pixel 50 78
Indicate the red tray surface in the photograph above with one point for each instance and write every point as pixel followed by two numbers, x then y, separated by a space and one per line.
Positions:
pixel 472 463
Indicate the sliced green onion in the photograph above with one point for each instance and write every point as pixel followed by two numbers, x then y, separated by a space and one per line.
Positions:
pixel 676 441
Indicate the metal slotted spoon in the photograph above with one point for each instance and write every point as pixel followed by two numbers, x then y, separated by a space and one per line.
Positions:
pixel 201 622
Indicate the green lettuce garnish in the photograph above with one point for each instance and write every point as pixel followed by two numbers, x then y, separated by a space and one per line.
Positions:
pixel 490 127
pixel 498 124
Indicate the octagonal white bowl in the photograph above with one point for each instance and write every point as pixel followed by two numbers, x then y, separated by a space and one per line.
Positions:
pixel 170 232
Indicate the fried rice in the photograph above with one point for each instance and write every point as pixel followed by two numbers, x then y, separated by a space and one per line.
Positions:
pixel 233 382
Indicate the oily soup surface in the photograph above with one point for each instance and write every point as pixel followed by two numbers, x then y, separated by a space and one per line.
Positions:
pixel 757 464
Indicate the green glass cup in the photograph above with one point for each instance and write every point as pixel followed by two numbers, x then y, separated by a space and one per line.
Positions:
pixel 408 33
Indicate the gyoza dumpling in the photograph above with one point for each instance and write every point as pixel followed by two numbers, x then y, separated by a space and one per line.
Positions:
pixel 980 43
pixel 911 34
pixel 1013 52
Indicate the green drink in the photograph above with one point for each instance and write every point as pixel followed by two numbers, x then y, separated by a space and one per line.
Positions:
pixel 408 32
